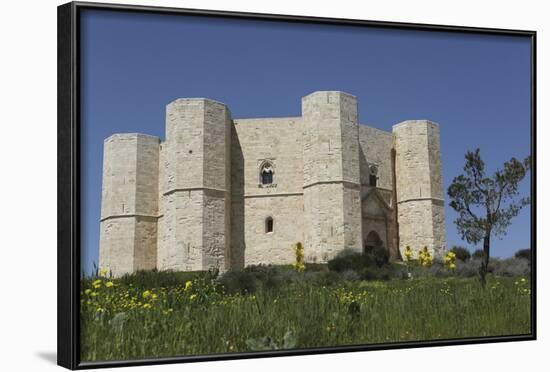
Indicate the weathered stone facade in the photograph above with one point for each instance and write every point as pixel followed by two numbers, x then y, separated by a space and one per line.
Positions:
pixel 226 193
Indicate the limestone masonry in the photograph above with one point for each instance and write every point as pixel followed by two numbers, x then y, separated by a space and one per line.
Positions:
pixel 226 193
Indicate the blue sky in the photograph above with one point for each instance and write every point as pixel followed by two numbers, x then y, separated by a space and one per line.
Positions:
pixel 477 87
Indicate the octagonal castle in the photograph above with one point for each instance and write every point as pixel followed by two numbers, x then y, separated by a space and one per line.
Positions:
pixel 226 193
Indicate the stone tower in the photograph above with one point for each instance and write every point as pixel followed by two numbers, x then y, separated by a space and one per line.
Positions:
pixel 129 207
pixel 419 188
pixel 195 171
pixel 331 189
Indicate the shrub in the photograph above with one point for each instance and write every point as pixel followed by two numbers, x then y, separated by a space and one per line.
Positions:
pixel 313 267
pixel 511 267
pixel 461 253
pixel 375 273
pixel 379 255
pixel 523 253
pixel 323 278
pixel 142 280
pixel 469 268
pixel 350 260
pixel 242 282
pixel 478 253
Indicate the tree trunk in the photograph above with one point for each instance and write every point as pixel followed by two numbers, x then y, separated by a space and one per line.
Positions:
pixel 485 261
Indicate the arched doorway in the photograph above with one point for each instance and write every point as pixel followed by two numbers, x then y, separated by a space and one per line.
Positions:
pixel 373 241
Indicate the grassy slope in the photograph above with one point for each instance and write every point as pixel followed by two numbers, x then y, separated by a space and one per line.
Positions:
pixel 127 321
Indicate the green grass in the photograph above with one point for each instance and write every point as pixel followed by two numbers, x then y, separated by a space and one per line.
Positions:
pixel 130 320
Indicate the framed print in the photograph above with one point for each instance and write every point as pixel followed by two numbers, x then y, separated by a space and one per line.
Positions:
pixel 237 185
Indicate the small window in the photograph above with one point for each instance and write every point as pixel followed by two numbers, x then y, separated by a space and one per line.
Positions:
pixel 372 180
pixel 269 225
pixel 266 174
pixel 373 175
pixel 267 177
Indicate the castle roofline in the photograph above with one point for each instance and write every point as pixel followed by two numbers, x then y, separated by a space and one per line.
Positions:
pixel 329 92
pixel 195 99
pixel 129 136
pixel 269 118
pixel 414 122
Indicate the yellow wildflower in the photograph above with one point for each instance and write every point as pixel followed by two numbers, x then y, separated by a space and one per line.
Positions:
pixel 408 253
pixel 88 291
pixel 146 294
pixel 109 284
pixel 102 272
pixel 192 297
pixel 147 306
pixel 188 285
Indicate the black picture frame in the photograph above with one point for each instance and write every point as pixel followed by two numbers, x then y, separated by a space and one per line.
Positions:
pixel 68 215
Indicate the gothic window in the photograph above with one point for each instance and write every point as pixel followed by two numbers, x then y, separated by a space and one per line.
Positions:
pixel 266 174
pixel 269 225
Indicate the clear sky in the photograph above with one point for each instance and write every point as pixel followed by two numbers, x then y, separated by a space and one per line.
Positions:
pixel 477 87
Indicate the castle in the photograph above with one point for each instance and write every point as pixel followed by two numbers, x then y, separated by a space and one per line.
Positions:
pixel 226 193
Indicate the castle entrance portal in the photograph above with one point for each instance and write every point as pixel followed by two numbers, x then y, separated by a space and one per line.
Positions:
pixel 373 241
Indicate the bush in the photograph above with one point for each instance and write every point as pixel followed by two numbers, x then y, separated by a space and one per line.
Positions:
pixel 461 253
pixel 155 279
pixel 350 260
pixel 242 282
pixel 323 278
pixel 469 268
pixel 254 277
pixel 376 273
pixel 379 255
pixel 478 253
pixel 523 253
pixel 312 267
pixel 511 267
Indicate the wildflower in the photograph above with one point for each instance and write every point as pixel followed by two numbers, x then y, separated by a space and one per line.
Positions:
pixel 188 285
pixel 88 291
pixel 449 260
pixel 93 294
pixel 154 295
pixel 425 257
pixel 408 253
pixel 299 264
pixel 96 282
pixel 147 306
pixel 146 294
pixel 192 297
pixel 109 284
pixel 100 310
pixel 103 272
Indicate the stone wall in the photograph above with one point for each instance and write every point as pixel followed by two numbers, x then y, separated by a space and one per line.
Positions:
pixel 375 149
pixel 279 141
